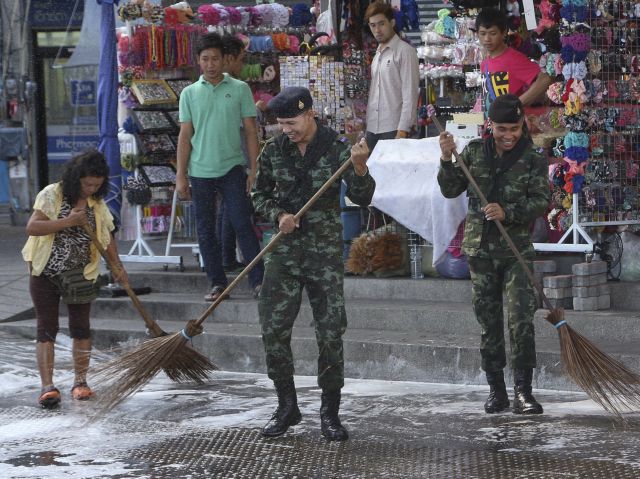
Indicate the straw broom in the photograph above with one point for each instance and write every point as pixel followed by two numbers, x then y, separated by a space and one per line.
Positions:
pixel 606 381
pixel 125 375
pixel 189 365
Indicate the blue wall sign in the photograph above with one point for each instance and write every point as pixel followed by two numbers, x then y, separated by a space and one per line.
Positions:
pixel 55 14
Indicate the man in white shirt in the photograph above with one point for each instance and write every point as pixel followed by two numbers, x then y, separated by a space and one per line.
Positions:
pixel 393 93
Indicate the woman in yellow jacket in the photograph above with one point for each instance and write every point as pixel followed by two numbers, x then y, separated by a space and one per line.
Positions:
pixel 57 244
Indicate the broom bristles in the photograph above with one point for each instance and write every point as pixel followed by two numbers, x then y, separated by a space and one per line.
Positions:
pixel 123 376
pixel 606 380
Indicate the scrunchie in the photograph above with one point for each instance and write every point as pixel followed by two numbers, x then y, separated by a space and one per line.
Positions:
pixel 575 70
pixel 580 42
pixel 558 64
pixel 245 16
pixel 254 16
pixel 576 139
pixel 554 92
pixel 234 15
pixel 280 41
pixel 569 54
pixel 573 13
pixel 266 13
pixel 580 90
pixel 209 15
pixel 568 182
pixel 577 153
pixel 300 15
pixel 261 43
pixel 445 25
pixel 542 61
pixel 550 65
pixel 279 15
pixel 556 119
pixel 576 167
pixel 294 44
pixel 222 12
pixel 578 182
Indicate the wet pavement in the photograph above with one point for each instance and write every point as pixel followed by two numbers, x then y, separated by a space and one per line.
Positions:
pixel 398 430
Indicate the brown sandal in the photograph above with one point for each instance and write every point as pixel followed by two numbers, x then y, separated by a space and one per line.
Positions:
pixel 215 293
pixel 49 397
pixel 81 392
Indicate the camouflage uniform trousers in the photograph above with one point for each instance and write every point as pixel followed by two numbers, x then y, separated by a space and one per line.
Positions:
pixel 489 275
pixel 323 278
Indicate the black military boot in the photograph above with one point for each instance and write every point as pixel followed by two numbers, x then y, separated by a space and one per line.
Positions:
pixel 498 400
pixel 287 413
pixel 330 424
pixel 524 402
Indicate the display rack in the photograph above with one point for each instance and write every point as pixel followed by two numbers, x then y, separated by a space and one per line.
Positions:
pixel 575 239
pixel 195 248
pixel 141 252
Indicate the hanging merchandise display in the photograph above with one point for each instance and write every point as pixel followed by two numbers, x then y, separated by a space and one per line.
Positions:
pixel 324 77
pixel 596 183
pixel 450 59
pixel 157 60
pixel 611 181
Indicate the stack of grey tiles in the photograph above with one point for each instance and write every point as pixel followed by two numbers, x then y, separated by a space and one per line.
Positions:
pixel 590 289
pixel 541 270
pixel 559 290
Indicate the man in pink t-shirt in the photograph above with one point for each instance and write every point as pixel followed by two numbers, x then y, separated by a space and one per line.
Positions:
pixel 506 70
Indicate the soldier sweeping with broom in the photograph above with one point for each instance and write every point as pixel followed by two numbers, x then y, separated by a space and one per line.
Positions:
pixel 290 168
pixel 513 177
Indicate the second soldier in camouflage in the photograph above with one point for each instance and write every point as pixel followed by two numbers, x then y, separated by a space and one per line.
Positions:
pixel 513 178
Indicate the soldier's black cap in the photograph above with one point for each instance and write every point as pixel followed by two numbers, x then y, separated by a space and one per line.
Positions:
pixel 291 102
pixel 506 109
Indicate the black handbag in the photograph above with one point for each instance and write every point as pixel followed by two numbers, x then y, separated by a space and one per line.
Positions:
pixel 138 191
pixel 75 288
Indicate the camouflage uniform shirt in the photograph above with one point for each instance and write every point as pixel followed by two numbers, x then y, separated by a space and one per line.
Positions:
pixel 522 191
pixel 286 180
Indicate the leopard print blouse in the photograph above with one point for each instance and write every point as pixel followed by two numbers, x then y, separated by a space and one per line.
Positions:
pixel 71 246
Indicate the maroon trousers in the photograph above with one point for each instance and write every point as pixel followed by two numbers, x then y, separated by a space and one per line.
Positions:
pixel 46 300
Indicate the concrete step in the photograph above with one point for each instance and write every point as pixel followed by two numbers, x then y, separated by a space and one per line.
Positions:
pixel 435 289
pixel 625 296
pixel 386 355
pixel 409 316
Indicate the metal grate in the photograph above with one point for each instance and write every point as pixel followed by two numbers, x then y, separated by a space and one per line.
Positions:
pixel 242 453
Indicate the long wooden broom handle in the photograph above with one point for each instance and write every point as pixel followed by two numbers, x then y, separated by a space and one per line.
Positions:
pixel 274 241
pixel 498 223
pixel 153 327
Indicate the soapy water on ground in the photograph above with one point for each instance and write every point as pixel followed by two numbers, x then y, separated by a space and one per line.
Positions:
pixel 36 443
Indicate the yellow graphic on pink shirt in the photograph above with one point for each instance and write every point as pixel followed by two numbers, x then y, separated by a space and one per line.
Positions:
pixel 498 84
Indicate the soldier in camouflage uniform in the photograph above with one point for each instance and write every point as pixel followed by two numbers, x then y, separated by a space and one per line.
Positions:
pixel 292 167
pixel 513 177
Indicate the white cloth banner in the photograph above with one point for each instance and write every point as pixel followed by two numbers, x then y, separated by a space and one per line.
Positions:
pixel 407 189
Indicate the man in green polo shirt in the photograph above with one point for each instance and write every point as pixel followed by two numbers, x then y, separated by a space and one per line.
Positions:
pixel 210 159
